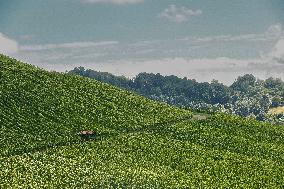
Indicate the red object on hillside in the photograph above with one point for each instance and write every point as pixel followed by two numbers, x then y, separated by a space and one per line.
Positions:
pixel 87 134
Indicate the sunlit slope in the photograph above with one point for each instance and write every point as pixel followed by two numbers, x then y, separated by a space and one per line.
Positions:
pixel 141 144
pixel 41 109
pixel 220 152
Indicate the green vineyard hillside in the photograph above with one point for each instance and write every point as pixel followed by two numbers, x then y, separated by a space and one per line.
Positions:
pixel 139 143
pixel 41 109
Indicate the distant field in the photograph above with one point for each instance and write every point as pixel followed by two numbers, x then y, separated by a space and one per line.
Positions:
pixel 278 110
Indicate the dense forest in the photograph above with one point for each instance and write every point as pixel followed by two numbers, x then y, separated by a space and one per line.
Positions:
pixel 247 96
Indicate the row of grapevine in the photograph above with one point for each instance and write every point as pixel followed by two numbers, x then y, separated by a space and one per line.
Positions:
pixel 141 144
pixel 39 108
pixel 225 152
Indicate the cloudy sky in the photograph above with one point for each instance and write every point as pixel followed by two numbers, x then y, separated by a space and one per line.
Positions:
pixel 200 39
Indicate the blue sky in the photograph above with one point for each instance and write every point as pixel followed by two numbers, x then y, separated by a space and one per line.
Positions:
pixel 201 39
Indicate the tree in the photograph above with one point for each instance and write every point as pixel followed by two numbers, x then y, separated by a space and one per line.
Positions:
pixel 243 83
pixel 272 83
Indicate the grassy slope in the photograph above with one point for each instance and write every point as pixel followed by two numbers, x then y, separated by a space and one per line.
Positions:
pixel 42 111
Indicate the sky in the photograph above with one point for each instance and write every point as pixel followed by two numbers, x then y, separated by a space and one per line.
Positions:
pixel 197 39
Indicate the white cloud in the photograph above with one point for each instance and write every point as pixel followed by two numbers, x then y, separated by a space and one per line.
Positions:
pixel 118 2
pixel 73 45
pixel 179 14
pixel 8 46
pixel 278 51
pixel 275 30
pixel 159 56
pixel 224 69
pixel 231 38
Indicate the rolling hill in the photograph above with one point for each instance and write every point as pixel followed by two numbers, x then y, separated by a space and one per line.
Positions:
pixel 42 108
pixel 140 143
pixel 247 96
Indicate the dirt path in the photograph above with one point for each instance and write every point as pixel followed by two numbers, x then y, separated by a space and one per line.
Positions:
pixel 200 116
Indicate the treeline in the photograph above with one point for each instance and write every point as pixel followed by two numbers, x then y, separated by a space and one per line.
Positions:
pixel 247 96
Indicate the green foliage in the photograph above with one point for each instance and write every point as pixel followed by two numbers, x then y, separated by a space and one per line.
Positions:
pixel 221 152
pixel 243 83
pixel 40 109
pixel 140 143
pixel 118 81
pixel 170 89
pixel 247 96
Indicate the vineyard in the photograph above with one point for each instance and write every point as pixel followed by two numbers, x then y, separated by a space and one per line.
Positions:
pixel 140 143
